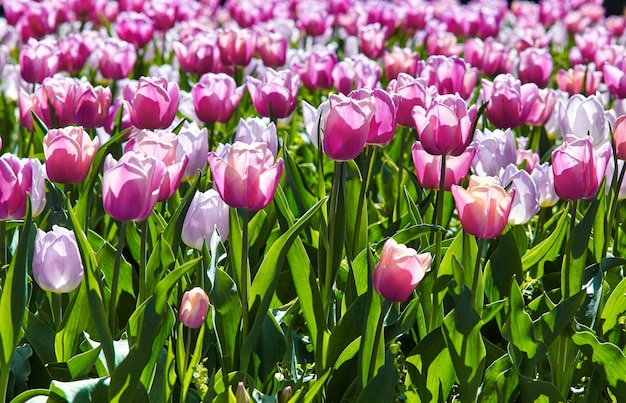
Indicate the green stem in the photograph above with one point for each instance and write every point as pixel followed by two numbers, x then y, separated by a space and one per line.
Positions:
pixel 565 281
pixel 370 151
pixel 185 385
pixel 438 240
pixel 116 276
pixel 211 129
pixel 613 213
pixel 3 243
pixel 57 309
pixel 400 164
pixel 332 219
pixel 142 262
pixel 378 336
pixel 245 276
pixel 4 381
pixel 477 268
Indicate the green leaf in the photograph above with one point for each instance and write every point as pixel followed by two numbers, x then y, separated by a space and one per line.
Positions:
pixel 316 387
pixel 608 359
pixel 500 383
pixel 271 347
pixel 552 323
pixel 75 321
pixel 30 395
pixel 519 329
pixel 15 291
pixel 94 296
pixel 505 264
pixel 348 328
pixel 572 274
pixel 165 286
pixel 548 249
pixel 40 336
pixel 81 364
pixel 614 308
pixel 172 232
pixel 382 388
pixel 85 391
pixel 226 317
pixel 534 390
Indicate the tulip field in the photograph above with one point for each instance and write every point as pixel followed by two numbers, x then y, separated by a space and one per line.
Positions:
pixel 312 201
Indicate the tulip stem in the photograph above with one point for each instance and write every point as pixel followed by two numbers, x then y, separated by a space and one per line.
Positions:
pixel 3 242
pixel 330 271
pixel 245 278
pixel 400 172
pixel 57 309
pixel 370 151
pixel 142 262
pixel 477 268
pixel 377 337
pixel 613 214
pixel 438 239
pixel 566 282
pixel 116 276
pixel 211 129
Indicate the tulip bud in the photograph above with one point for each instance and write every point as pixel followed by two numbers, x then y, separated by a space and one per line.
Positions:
pixel 38 60
pixel 18 178
pixel 69 153
pixel 619 137
pixel 153 102
pixel 193 308
pixel 278 91
pixel 346 127
pixel 57 266
pixel 215 97
pixel 399 271
pixel 242 395
pixel 207 212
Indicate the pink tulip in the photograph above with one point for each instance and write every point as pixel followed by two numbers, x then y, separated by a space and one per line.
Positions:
pixel 543 177
pixel 278 90
pixel 619 137
pixel 372 40
pixel 449 75
pixel 38 60
pixel 383 123
pixel 153 102
pixel 245 175
pixel 572 80
pixel 125 123
pixel 207 213
pixel 272 48
pixel 344 76
pixel 399 271
pixel 525 194
pixel 400 60
pixel 132 5
pixel 92 105
pixel 615 79
pixel 135 28
pixel 543 107
pixel 18 178
pixel 428 167
pixel 163 13
pixel 315 71
pixel 257 130
pixel 193 143
pixel 68 152
pixel 313 18
pixel 57 266
pixel 163 147
pixel 346 127
pixel 55 101
pixel 444 126
pixel 215 97
pixel 73 53
pixel 117 58
pixel 509 101
pixel 494 151
pixel 488 56
pixel 535 66
pixel 411 92
pixel 483 207
pixel 579 168
pixel 193 308
pixel 131 186
pixel 198 54
pixel 236 46
pixel 443 43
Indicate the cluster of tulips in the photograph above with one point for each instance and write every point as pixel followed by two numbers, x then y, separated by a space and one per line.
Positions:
pixel 305 200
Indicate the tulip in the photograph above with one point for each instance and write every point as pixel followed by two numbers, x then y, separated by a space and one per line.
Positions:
pixel 236 46
pixel 483 207
pixel 215 97
pixel 272 48
pixel 428 167
pixel 17 179
pixel 131 186
pixel 242 395
pixel 372 40
pixel 193 143
pixel 153 102
pixel 383 123
pixel 163 147
pixel 443 43
pixel 135 28
pixel 488 56
pixel 543 177
pixel 509 101
pixel 245 175
pixel 55 101
pixel 313 18
pixel 312 118
pixel 125 123
pixel 198 54
pixel 444 126
pixel 257 130
pixel 68 153
pixel 193 308
pixel 117 58
pixel 73 53
pixel 399 271
pixel 535 66
pixel 572 80
pixel 494 150
pixel 346 127
pixel 57 266
pixel 277 91
pixel 92 105
pixel 584 116
pixel 38 60
pixel 543 107
pixel 400 60
pixel 411 92
pixel 162 12
pixel 525 197
pixel 316 70
pixel 579 168
pixel 619 137
pixel 449 75
pixel 344 76
pixel 207 212
pixel 615 79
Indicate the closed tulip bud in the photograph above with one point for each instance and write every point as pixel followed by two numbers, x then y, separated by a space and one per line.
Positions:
pixel 92 106
pixel 428 167
pixel 483 207
pixel 131 186
pixel 278 90
pixel 272 47
pixel 73 53
pixel 579 168
pixel 215 97
pixel 57 266
pixel 236 46
pixel 38 60
pixel 541 110
pixel 18 178
pixel 133 27
pixel 399 271
pixel 383 123
pixel 372 40
pixel 619 137
pixel 411 92
pixel 207 213
pixel 257 130
pixel 450 75
pixel 56 101
pixel 535 66
pixel 444 126
pixel 193 143
pixel 242 395
pixel 193 308
pixel 346 127
pixel 316 69
pixel 400 60
pixel 245 175
pixel 584 116
pixel 198 54
pixel 117 58
pixel 69 152
pixel 153 102
pixel 509 101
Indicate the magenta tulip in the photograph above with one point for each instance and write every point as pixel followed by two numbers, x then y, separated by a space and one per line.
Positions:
pixel 428 167
pixel 38 60
pixel 411 92
pixel 383 123
pixel 400 60
pixel 483 207
pixel 92 105
pixel 509 101
pixel 277 91
pixel 153 102
pixel 236 46
pixel 272 48
pixel 193 308
pixel 69 152
pixel 18 179
pixel 215 97
pixel 117 58
pixel 57 266
pixel 245 175
pixel 619 137
pixel 399 271
pixel 315 71
pixel 130 186
pixel 135 28
pixel 198 54
pixel 372 40
pixel 346 127
pixel 535 66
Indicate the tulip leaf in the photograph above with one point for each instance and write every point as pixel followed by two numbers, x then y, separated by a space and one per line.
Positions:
pixel 75 321
pixel 504 264
pixel 614 308
pixel 296 183
pixel 40 336
pixel 226 317
pixel 349 327
pixel 383 385
pixel 84 391
pixel 165 286
pixel 81 364
pixel 94 295
pixel 175 224
pixel 518 328
pixel 500 383
pixel 15 292
pixel 548 249
pixel 535 390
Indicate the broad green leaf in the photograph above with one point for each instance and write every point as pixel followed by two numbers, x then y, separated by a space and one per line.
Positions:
pixel 500 383
pixel 271 347
pixel 504 264
pixel 614 308
pixel 15 291
pixel 85 391
pixel 40 336
pixel 226 317
pixel 75 321
pixel 552 323
pixel 382 387
pixel 534 390
pixel 164 287
pixel 316 387
pixel 81 364
pixel 348 329
pixel 518 328
pixel 548 249
pixel 31 395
